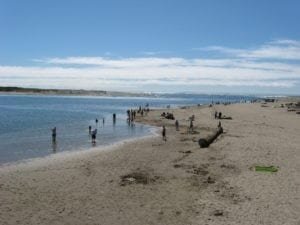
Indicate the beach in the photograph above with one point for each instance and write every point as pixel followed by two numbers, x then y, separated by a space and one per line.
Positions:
pixel 151 181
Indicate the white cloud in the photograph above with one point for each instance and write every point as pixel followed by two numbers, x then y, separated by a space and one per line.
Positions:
pixel 114 63
pixel 279 49
pixel 285 42
pixel 245 68
pixel 225 50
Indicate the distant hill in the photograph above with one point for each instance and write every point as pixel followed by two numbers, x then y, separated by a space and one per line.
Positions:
pixel 20 90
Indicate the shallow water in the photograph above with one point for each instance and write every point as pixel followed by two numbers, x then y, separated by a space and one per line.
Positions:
pixel 26 122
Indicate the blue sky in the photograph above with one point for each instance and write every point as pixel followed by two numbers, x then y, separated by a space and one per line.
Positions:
pixel 234 46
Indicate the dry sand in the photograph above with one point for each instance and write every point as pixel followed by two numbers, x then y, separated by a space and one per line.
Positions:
pixel 175 182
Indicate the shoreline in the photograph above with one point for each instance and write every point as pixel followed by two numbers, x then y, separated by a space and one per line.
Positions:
pixel 74 154
pixel 72 95
pixel 175 182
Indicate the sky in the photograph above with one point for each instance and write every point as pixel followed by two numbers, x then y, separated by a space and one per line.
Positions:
pixel 191 46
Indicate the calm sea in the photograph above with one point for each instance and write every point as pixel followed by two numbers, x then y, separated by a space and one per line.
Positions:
pixel 26 121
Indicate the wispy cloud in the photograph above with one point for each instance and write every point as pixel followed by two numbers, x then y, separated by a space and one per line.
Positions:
pixel 253 68
pixel 279 49
pixel 285 42
pixel 155 53
pixel 221 49
pixel 114 63
pixel 150 53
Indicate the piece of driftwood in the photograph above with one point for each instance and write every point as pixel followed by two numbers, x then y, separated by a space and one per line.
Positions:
pixel 226 118
pixel 205 142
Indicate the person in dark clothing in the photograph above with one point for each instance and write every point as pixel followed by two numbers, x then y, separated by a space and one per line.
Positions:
pixel 216 114
pixel 164 133
pixel 220 115
pixel 177 125
pixel 191 126
pixel 94 133
pixel 54 134
pixel 90 129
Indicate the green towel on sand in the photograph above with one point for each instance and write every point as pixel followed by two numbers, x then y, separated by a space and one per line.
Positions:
pixel 266 169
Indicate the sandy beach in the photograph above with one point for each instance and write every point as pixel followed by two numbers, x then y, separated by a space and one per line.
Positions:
pixel 150 181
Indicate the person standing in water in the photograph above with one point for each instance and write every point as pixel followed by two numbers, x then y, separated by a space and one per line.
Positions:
pixel 96 120
pixel 54 134
pixel 90 129
pixel 94 133
pixel 164 133
pixel 114 118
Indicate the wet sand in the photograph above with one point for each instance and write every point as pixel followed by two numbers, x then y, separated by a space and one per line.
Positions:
pixel 150 181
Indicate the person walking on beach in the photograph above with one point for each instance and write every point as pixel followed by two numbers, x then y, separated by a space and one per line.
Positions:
pixel 54 134
pixel 216 114
pixel 191 126
pixel 177 125
pixel 164 133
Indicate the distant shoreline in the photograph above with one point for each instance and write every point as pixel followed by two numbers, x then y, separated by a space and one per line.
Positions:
pixel 69 92
pixel 101 93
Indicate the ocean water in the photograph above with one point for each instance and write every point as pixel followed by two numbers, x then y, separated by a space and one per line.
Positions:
pixel 26 121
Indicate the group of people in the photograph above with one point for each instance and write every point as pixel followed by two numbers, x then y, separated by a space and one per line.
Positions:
pixel 131 116
pixel 168 115
pixel 191 125
pixel 103 121
pixel 92 133
pixel 218 115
